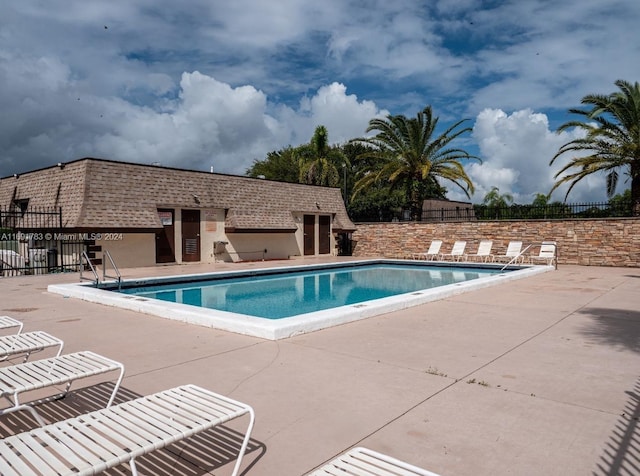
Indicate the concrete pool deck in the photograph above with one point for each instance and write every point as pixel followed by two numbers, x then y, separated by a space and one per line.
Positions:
pixel 534 376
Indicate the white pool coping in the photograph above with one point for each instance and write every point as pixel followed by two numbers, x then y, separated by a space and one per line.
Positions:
pixel 275 329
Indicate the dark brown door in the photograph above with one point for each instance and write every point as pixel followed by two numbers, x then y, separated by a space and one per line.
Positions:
pixel 324 238
pixel 309 235
pixel 190 235
pixel 165 239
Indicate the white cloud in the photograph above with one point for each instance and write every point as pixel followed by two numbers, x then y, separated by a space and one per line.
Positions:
pixel 209 123
pixel 545 59
pixel 516 149
pixel 344 116
pixel 117 79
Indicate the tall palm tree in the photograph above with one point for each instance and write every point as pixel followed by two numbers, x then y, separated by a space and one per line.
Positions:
pixel 494 198
pixel 407 153
pixel 321 163
pixel 497 202
pixel 612 141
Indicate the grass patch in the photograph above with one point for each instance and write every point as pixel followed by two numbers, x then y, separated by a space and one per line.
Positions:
pixel 481 382
pixel 435 371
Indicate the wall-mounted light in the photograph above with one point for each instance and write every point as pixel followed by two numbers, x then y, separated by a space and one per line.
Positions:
pixel 317 205
pixel 15 176
pixel 61 165
pixel 196 198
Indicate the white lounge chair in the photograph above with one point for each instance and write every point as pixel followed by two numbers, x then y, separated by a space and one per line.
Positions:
pixel 27 343
pixel 457 252
pixel 513 253
pixel 547 254
pixel 432 253
pixel 61 370
pixel 91 443
pixel 7 322
pixel 365 462
pixel 484 252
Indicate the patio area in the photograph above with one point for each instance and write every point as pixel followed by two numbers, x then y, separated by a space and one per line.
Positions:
pixel 534 376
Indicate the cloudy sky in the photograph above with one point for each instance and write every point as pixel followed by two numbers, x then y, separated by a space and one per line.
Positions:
pixel 211 83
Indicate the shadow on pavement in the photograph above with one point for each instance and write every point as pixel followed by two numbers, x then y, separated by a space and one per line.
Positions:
pixel 616 327
pixel 622 451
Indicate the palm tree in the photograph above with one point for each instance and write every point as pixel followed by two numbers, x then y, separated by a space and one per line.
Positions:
pixel 320 164
pixel 407 154
pixel 612 141
pixel 494 198
pixel 496 202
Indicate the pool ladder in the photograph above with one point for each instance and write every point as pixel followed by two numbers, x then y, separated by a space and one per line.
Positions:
pixel 106 257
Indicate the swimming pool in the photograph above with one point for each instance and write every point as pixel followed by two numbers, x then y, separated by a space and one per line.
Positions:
pixel 281 294
pixel 308 285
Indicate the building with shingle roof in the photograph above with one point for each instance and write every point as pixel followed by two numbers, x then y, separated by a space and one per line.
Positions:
pixel 146 214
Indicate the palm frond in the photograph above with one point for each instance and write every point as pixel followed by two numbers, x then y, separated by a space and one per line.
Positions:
pixel 611 141
pixel 408 151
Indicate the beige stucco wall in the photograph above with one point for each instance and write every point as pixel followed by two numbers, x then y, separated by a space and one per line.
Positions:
pixel 252 246
pixel 211 230
pixel 139 249
pixel 242 246
pixel 604 242
pixel 129 250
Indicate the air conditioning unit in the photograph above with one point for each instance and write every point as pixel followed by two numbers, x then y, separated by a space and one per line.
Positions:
pixel 38 260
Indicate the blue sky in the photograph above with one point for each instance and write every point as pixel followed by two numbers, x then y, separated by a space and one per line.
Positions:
pixel 209 83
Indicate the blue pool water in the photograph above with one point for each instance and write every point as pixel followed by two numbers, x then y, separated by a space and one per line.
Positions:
pixel 279 295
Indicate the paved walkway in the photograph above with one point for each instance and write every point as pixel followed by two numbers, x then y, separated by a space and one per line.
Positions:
pixel 535 376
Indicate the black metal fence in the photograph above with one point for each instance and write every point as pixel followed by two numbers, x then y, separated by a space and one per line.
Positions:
pixel 32 242
pixel 553 211
pixel 19 217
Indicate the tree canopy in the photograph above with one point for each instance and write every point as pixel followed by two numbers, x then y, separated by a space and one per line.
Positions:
pixel 407 153
pixel 319 162
pixel 611 141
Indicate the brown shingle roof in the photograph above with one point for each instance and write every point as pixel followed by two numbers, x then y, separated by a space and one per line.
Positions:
pixel 96 193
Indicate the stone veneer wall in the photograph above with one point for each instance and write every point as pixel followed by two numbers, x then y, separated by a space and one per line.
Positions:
pixel 604 242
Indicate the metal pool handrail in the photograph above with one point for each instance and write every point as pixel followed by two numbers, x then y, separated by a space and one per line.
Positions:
pixel 85 257
pixel 118 276
pixel 516 257
pixel 555 253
